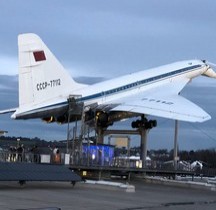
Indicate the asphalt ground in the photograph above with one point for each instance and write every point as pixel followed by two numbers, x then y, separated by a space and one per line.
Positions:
pixel 44 195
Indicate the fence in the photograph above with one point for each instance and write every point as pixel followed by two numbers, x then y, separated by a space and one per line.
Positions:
pixel 29 157
pixel 68 159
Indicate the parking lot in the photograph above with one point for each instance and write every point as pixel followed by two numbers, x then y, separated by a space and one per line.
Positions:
pixel 64 196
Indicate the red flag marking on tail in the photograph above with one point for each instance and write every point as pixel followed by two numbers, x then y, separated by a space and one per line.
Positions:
pixel 39 56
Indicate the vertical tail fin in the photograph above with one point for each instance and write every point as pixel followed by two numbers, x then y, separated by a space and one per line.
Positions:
pixel 41 76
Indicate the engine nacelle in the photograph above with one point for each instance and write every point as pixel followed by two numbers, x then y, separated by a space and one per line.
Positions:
pixel 58 119
pixel 102 119
pixel 62 119
pixel 144 123
pixel 50 119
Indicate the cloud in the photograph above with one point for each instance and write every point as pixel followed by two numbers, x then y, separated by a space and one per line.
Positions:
pixel 203 82
pixel 89 80
pixel 8 65
pixel 113 37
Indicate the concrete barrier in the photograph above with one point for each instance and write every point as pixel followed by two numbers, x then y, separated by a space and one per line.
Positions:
pixel 111 185
pixel 187 184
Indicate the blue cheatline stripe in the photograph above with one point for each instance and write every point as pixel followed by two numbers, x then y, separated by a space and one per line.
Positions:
pixel 141 82
pixel 127 86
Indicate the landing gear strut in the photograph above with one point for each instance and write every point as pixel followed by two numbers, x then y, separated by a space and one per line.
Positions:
pixel 143 125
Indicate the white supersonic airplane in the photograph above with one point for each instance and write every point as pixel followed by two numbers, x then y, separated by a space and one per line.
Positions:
pixel 45 88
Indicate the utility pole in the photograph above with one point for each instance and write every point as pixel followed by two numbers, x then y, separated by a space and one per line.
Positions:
pixel 175 151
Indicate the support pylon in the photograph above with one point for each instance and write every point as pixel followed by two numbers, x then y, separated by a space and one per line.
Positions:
pixel 143 146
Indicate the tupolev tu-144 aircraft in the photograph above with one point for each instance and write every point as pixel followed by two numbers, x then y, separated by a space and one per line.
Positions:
pixel 45 88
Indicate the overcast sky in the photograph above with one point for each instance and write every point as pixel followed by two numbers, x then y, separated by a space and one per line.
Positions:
pixel 105 39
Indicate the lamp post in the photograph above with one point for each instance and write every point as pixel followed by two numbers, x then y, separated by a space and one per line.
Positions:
pixel 18 142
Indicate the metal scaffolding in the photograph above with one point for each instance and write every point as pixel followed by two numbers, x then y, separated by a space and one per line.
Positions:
pixel 75 113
